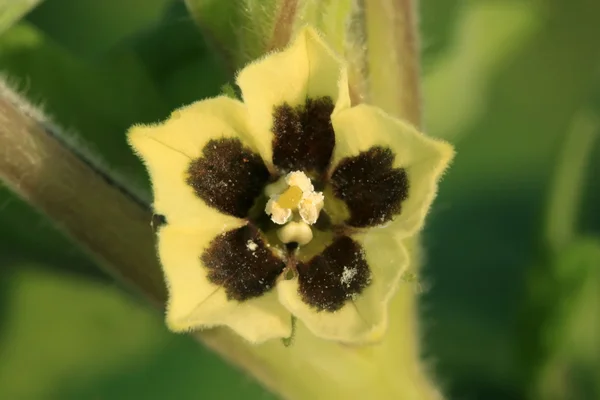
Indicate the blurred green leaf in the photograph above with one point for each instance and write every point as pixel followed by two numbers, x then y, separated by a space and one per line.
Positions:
pixel 11 11
pixel 485 226
pixel 86 330
pixel 485 38
pixel 27 235
pixel 238 29
pixel 531 102
pixel 437 22
pixel 69 338
pixel 562 340
pixel 90 28
pixel 476 246
pixel 569 184
pixel 176 57
pixel 99 102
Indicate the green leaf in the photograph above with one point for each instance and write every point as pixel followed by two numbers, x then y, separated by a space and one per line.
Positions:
pixel 11 11
pixel 22 229
pixel 99 102
pixel 176 57
pixel 238 29
pixel 90 28
pixel 484 38
pixel 437 22
pixel 569 363
pixel 64 337
pixel 570 179
pixel 529 99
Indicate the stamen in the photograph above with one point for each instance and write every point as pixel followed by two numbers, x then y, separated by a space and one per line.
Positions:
pixel 294 197
pixel 299 178
pixel 310 207
pixel 278 214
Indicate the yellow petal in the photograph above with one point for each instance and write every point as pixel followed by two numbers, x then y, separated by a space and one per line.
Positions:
pixel 359 128
pixel 168 148
pixel 307 68
pixel 194 302
pixel 363 319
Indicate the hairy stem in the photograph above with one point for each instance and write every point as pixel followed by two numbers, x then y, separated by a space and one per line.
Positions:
pixel 393 57
pixel 394 84
pixel 284 25
pixel 39 166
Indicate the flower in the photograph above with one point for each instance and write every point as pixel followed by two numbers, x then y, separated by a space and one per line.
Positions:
pixel 292 202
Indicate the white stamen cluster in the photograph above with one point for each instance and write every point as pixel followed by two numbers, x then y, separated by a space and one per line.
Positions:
pixel 294 204
pixel 278 214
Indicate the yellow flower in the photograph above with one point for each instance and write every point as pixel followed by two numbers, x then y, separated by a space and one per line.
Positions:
pixel 291 202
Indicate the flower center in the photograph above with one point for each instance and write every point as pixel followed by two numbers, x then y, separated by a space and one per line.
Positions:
pixel 294 204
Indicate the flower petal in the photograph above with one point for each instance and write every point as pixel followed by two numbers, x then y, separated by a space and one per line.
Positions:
pixel 306 69
pixel 303 137
pixel 362 318
pixel 200 163
pixel 196 302
pixel 386 169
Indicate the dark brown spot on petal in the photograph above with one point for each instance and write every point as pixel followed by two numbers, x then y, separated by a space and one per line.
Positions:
pixel 304 136
pixel 228 177
pixel 371 188
pixel 339 273
pixel 240 261
pixel 158 220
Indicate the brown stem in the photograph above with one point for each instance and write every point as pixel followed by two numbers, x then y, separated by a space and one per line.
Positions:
pixel 284 24
pixel 393 57
pixel 79 196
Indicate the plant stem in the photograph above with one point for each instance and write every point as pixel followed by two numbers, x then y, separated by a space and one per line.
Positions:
pixel 393 57
pixel 284 24
pixel 85 201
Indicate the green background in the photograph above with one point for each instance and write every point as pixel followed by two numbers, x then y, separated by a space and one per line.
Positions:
pixel 503 80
